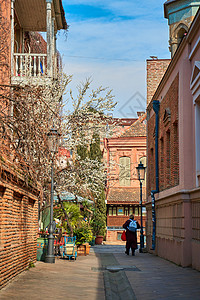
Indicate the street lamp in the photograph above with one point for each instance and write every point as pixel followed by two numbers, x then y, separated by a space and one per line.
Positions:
pixel 53 136
pixel 141 176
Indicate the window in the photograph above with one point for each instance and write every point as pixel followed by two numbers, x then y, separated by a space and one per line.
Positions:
pixel 114 211
pixel 197 135
pixel 136 211
pixel 126 211
pixel 119 234
pixel 110 211
pixel 144 212
pixel 168 156
pixel 130 211
pixel 124 171
pixel 120 211
pixel 181 33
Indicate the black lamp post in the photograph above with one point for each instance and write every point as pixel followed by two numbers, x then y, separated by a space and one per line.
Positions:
pixel 53 136
pixel 141 176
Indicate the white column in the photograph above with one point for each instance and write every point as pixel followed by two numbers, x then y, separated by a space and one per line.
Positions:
pixel 49 38
pixel 12 37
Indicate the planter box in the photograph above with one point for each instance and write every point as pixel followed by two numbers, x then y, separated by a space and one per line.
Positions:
pixel 83 249
pixel 42 244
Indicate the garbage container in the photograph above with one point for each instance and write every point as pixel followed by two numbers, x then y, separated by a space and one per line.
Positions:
pixel 42 244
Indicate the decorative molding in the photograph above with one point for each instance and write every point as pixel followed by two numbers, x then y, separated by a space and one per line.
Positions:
pixel 194 49
pixel 195 81
pixel 167 116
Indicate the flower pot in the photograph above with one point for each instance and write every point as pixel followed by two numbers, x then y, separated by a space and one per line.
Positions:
pixel 87 248
pixel 99 239
pixel 81 249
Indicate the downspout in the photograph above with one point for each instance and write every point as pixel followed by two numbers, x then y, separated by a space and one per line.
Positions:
pixel 156 108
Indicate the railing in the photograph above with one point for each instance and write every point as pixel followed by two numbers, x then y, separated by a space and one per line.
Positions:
pixel 30 65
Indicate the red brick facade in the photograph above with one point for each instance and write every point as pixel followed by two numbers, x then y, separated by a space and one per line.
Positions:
pixel 123 196
pixel 18 199
pixel 155 71
pixel 167 143
pixel 18 229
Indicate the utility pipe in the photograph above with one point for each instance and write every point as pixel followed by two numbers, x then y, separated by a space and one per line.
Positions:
pixel 156 108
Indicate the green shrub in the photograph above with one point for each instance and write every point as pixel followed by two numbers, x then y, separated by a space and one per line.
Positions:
pixel 83 234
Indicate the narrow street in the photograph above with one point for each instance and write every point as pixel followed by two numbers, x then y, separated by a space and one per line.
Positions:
pixel 107 273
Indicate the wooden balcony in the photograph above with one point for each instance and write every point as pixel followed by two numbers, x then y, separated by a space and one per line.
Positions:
pixel 33 67
pixel 33 62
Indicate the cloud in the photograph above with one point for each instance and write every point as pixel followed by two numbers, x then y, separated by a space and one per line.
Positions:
pixel 111 40
pixel 131 8
pixel 131 40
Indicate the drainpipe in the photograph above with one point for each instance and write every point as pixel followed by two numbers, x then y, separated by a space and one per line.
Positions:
pixel 156 107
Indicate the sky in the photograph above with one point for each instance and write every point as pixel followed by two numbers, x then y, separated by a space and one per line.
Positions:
pixel 109 41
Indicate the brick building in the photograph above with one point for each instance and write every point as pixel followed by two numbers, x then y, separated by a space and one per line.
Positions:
pixel 173 175
pixel 23 55
pixel 123 153
pixel 156 68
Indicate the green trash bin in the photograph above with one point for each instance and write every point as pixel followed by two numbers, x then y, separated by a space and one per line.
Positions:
pixel 42 244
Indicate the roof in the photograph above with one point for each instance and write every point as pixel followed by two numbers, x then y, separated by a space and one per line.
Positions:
pixel 136 129
pixel 123 194
pixel 63 152
pixel 63 24
pixel 122 121
pixel 32 14
pixel 69 197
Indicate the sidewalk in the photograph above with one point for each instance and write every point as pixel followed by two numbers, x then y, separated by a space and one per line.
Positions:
pixel 107 273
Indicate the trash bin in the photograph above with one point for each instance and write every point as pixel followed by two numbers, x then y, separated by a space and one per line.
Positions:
pixel 42 244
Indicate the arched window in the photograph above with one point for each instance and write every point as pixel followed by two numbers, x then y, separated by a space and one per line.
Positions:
pixel 180 35
pixel 124 171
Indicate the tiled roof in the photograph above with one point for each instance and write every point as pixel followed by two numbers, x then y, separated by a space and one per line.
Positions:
pixel 123 194
pixel 136 129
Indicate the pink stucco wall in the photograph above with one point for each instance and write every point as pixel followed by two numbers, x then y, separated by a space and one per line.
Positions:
pixel 178 208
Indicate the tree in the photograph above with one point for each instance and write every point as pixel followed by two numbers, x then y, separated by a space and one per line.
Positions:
pixel 98 222
pixel 80 129
pixel 70 216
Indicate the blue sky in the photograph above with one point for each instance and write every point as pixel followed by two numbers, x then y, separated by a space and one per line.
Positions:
pixel 110 41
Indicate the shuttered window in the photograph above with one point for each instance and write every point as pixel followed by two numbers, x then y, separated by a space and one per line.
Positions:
pixel 124 171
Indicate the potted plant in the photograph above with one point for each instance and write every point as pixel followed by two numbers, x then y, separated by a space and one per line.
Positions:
pixel 83 236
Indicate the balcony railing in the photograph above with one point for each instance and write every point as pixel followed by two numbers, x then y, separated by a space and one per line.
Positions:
pixel 30 65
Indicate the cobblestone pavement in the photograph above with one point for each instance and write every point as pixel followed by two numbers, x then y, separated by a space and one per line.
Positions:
pixel 107 273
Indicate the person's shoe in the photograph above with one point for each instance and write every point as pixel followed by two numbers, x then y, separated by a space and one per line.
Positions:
pixel 126 252
pixel 133 254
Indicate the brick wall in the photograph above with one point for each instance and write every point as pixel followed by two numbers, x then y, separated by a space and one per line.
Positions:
pixel 167 144
pixel 18 230
pixel 155 71
pixel 118 220
pixel 5 40
pixel 113 236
